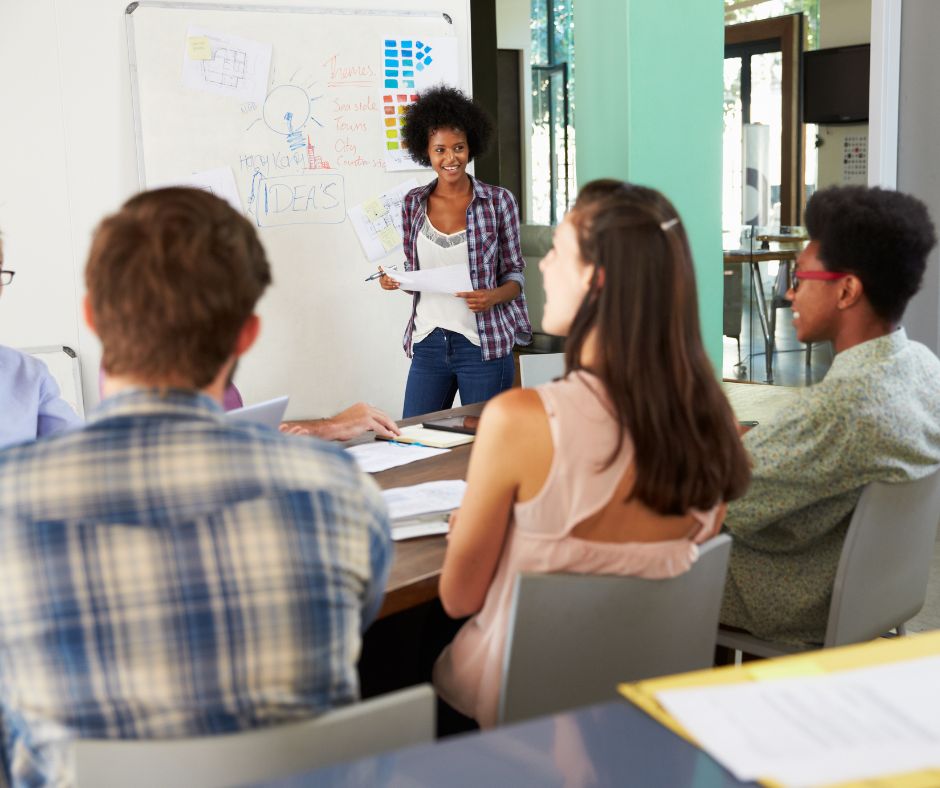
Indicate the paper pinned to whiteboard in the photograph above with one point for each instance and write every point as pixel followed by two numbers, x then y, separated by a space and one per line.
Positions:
pixel 411 65
pixel 238 67
pixel 377 221
pixel 219 181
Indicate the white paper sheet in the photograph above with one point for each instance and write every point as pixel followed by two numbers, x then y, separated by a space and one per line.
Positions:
pixel 413 529
pixel 815 730
pixel 448 279
pixel 239 67
pixel 418 499
pixel 381 455
pixel 220 182
pixel 377 222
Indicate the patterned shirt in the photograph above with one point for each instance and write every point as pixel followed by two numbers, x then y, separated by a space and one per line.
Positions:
pixel 167 573
pixel 875 417
pixel 495 258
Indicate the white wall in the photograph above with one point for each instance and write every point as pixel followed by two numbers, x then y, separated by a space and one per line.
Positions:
pixel 513 32
pixel 841 23
pixel 67 157
pixel 918 136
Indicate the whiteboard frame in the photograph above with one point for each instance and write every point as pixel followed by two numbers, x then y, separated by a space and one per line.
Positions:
pixel 252 7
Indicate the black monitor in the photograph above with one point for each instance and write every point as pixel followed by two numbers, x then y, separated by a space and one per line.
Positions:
pixel 835 85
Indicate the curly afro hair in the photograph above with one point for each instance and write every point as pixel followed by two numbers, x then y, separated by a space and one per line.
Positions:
pixel 881 236
pixel 445 108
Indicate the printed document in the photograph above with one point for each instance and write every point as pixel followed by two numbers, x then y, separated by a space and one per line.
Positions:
pixel 419 499
pixel 818 729
pixel 449 279
pixel 382 455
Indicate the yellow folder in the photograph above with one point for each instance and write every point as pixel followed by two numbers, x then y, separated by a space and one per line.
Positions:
pixel 879 652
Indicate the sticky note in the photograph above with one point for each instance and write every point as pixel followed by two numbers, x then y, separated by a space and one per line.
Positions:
pixel 389 110
pixel 391 83
pixel 389 238
pixel 390 122
pixel 391 145
pixel 198 48
pixel 391 133
pixel 390 42
pixel 374 209
pixel 783 669
pixel 391 72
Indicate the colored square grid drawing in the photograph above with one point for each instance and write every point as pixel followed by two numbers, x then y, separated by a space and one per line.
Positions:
pixel 395 106
pixel 402 58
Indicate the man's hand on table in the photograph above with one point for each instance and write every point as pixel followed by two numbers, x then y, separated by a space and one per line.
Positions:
pixel 348 424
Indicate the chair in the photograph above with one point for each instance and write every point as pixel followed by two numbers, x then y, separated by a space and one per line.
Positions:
pixel 384 723
pixel 573 638
pixel 881 581
pixel 538 368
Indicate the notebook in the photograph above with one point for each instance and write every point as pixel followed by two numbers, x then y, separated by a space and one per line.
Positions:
pixel 437 439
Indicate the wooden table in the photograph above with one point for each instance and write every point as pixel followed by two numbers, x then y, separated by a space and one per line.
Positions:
pixel 416 568
pixel 417 564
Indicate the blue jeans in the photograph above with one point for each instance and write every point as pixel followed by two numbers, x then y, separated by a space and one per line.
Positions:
pixel 445 362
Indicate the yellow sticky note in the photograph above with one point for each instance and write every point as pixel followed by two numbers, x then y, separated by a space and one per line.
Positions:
pixel 374 209
pixel 198 48
pixel 783 669
pixel 389 238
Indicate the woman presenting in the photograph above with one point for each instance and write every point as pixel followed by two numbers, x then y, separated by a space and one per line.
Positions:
pixel 463 341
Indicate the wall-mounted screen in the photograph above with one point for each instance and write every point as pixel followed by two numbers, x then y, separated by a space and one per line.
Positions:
pixel 835 85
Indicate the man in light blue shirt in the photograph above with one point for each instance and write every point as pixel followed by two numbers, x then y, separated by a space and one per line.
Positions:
pixel 30 405
pixel 168 573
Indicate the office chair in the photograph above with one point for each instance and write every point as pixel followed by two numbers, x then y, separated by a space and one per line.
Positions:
pixel 881 581
pixel 573 638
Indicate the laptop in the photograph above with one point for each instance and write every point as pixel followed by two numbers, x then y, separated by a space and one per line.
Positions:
pixel 270 413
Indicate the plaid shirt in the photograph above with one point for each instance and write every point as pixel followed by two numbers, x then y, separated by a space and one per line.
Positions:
pixel 168 574
pixel 495 258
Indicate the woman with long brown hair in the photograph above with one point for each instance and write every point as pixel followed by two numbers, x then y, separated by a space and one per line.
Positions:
pixel 623 465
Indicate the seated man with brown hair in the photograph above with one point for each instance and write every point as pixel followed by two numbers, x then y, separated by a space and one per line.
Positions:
pixel 167 573
pixel 874 417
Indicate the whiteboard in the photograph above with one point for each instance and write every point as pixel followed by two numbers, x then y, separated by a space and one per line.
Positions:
pixel 328 338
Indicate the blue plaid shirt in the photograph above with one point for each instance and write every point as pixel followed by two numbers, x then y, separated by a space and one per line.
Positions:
pixel 166 573
pixel 495 259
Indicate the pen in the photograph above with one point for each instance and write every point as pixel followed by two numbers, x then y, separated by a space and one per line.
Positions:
pixel 377 274
pixel 399 443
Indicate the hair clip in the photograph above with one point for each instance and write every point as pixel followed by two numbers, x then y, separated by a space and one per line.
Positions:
pixel 666 226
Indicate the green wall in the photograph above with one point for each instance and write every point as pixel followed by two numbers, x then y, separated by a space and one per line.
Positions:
pixel 648 109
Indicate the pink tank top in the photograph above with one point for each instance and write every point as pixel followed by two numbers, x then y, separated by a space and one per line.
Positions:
pixel 469 671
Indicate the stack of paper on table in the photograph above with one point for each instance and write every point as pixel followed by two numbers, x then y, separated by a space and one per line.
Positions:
pixel 857 713
pixel 440 439
pixel 378 456
pixel 423 509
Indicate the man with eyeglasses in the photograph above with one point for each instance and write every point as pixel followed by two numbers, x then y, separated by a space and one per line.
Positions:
pixel 875 416
pixel 30 404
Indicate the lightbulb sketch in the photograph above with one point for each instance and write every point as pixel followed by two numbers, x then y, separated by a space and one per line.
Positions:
pixel 286 111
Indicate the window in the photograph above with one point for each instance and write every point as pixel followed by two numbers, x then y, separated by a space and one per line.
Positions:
pixel 553 141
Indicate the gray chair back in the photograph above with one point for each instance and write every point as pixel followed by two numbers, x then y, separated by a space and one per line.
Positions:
pixel 387 722
pixel 882 577
pixel 573 638
pixel 881 580
pixel 538 368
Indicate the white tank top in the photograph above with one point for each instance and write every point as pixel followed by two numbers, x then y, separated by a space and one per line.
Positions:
pixel 443 310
